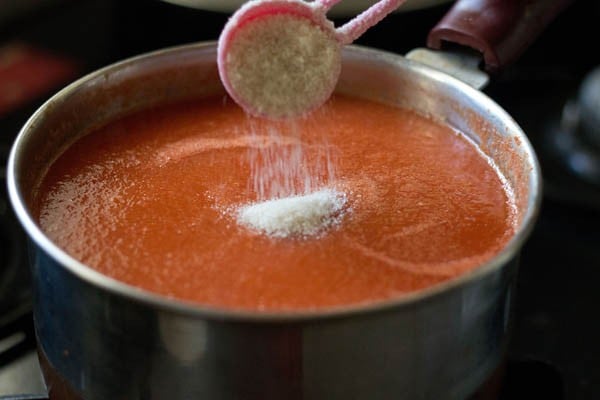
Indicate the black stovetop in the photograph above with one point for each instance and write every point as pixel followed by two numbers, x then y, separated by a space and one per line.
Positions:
pixel 555 346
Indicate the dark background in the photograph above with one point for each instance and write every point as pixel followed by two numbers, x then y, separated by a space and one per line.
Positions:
pixel 555 348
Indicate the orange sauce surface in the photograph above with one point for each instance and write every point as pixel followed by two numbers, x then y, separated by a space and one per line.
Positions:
pixel 147 200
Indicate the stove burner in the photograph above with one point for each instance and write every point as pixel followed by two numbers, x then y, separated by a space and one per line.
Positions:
pixel 572 146
pixel 16 323
pixel 578 138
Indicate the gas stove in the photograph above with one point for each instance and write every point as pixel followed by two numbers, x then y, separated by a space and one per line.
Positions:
pixel 554 345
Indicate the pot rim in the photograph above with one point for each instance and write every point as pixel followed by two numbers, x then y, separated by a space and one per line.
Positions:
pixel 118 288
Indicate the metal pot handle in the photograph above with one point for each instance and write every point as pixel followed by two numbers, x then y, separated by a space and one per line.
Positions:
pixel 499 29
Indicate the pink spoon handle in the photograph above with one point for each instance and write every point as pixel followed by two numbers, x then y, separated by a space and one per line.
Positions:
pixel 359 24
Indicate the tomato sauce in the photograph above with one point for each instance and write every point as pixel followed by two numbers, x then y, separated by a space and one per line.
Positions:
pixel 148 200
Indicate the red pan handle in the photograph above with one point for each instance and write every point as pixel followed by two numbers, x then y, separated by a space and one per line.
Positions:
pixel 500 29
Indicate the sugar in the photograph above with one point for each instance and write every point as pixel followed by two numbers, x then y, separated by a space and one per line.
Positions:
pixel 294 216
pixel 283 65
pixel 292 164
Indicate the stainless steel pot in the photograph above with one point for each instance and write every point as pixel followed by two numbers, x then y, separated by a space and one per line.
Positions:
pixel 108 340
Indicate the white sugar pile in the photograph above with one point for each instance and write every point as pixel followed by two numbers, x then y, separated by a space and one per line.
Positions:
pixel 304 215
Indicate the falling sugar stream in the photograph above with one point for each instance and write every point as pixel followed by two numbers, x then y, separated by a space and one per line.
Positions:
pixel 293 167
